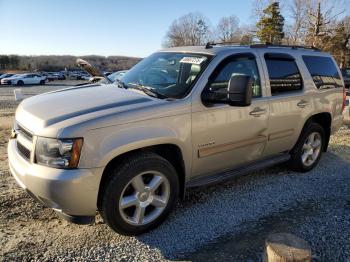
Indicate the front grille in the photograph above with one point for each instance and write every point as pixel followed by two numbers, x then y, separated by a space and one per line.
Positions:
pixel 24 132
pixel 23 151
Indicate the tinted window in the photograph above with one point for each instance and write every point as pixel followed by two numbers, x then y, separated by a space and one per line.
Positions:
pixel 346 72
pixel 323 71
pixel 237 66
pixel 284 75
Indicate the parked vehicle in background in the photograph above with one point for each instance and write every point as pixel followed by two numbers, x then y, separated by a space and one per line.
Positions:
pixel 346 76
pixel 183 117
pixel 60 76
pixel 5 76
pixel 24 79
pixel 49 76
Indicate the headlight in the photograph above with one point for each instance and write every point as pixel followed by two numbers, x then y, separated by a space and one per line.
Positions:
pixel 58 153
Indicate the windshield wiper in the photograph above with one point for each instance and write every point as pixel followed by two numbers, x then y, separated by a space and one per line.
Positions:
pixel 120 83
pixel 147 90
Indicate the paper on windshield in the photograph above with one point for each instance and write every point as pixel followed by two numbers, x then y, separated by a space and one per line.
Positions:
pixel 193 60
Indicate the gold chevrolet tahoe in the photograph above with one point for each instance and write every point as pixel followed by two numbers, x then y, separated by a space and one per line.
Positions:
pixel 182 117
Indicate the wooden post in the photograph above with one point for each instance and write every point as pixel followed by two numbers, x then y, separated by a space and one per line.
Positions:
pixel 285 247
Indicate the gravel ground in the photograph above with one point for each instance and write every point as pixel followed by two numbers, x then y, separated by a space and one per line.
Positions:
pixel 225 222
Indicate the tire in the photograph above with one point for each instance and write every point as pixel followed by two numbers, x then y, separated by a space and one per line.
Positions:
pixel 149 167
pixel 20 83
pixel 304 147
pixel 42 82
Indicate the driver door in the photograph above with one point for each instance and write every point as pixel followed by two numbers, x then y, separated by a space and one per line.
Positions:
pixel 224 136
pixel 28 79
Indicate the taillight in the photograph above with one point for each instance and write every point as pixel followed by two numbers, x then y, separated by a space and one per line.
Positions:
pixel 344 99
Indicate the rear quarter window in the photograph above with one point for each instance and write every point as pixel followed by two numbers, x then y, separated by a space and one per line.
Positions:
pixel 323 71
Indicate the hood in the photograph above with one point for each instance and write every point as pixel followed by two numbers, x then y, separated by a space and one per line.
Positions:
pixel 75 105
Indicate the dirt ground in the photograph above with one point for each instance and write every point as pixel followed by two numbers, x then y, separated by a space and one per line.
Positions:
pixel 29 231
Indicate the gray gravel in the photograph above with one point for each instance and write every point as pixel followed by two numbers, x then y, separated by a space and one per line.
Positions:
pixel 225 222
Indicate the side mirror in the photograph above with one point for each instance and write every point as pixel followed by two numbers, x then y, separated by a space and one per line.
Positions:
pixel 240 91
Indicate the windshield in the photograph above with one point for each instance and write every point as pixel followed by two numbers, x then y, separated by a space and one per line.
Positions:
pixel 167 73
pixel 117 75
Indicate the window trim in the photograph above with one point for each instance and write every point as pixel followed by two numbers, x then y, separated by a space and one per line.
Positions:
pixel 227 60
pixel 282 57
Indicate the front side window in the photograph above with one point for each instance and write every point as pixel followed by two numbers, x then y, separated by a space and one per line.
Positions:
pixel 237 65
pixel 284 74
pixel 323 71
pixel 167 73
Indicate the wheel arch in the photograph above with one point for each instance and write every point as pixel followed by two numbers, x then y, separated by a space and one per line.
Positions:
pixel 168 151
pixel 324 119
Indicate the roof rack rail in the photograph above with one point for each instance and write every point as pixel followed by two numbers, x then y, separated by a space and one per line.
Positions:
pixel 211 44
pixel 266 45
pixel 261 45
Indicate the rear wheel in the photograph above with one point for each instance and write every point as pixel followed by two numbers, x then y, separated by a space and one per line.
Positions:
pixel 42 82
pixel 140 194
pixel 308 150
pixel 20 83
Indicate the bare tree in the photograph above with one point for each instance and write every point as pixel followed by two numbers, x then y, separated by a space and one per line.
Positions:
pixel 191 29
pixel 228 29
pixel 297 30
pixel 339 42
pixel 321 15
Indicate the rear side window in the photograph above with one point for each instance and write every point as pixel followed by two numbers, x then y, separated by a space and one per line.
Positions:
pixel 323 71
pixel 283 73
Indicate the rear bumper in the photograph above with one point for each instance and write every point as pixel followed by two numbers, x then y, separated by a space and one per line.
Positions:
pixel 71 193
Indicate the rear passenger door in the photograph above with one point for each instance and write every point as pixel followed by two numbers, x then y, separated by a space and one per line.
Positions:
pixel 289 102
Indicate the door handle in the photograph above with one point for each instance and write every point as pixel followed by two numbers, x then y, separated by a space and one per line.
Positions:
pixel 257 112
pixel 302 103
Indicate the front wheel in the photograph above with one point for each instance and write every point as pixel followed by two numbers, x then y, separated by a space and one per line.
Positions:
pixel 42 82
pixel 20 83
pixel 308 150
pixel 140 194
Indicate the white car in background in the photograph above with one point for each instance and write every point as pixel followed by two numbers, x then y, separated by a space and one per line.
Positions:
pixel 24 79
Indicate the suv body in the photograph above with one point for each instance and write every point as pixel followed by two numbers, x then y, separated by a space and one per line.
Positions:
pixel 203 142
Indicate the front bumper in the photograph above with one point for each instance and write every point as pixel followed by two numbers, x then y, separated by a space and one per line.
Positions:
pixel 6 82
pixel 72 193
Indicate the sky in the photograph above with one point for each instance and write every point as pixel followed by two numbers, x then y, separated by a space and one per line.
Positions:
pixel 106 27
pixel 83 27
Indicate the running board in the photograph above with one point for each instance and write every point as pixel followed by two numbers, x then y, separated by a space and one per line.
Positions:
pixel 260 164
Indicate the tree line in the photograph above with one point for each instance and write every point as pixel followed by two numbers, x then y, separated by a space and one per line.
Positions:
pixel 60 63
pixel 315 23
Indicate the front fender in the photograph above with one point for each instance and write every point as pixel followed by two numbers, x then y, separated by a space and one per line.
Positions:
pixel 103 145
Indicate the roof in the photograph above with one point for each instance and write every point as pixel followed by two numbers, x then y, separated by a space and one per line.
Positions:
pixel 215 49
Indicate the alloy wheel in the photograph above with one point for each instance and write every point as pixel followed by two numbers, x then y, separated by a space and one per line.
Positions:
pixel 311 149
pixel 144 198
